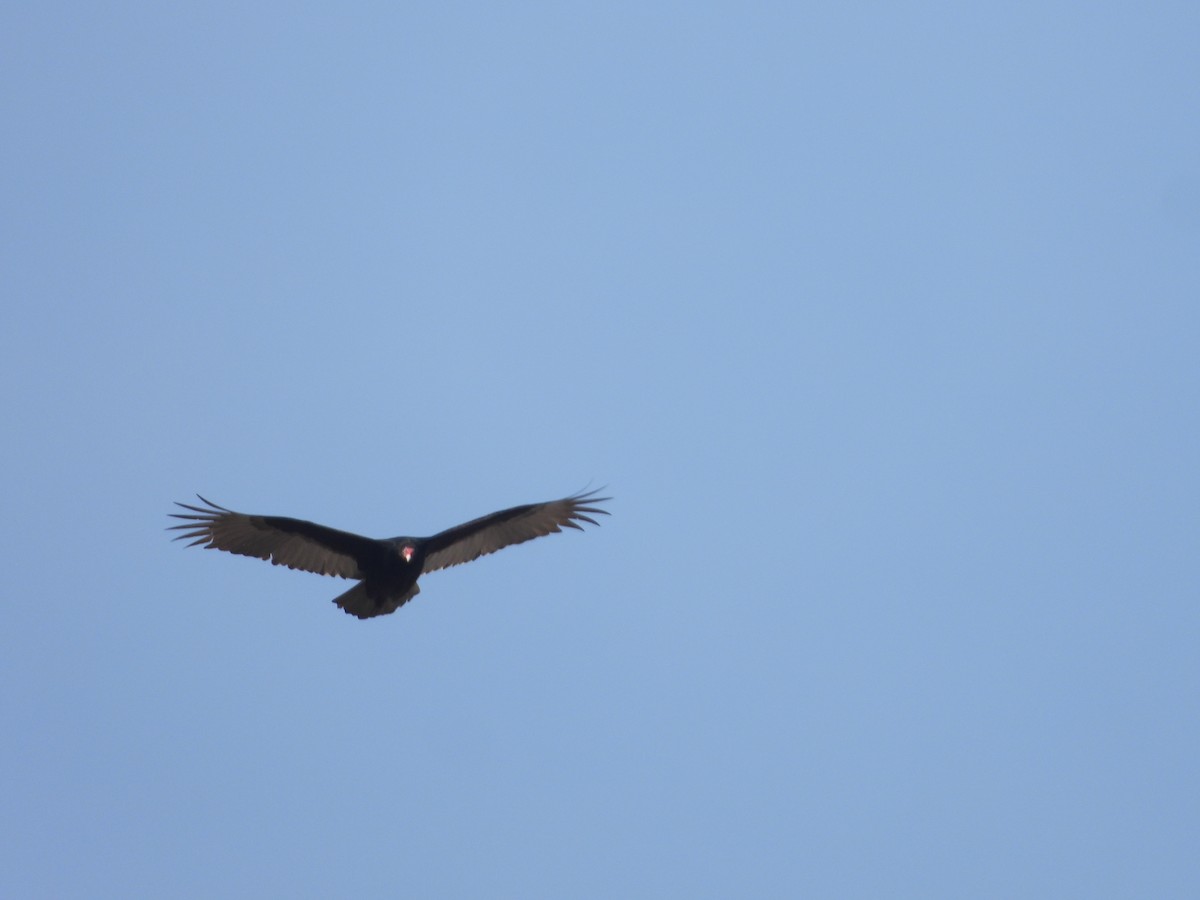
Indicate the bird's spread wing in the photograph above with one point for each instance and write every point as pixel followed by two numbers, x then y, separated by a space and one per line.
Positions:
pixel 285 542
pixel 488 534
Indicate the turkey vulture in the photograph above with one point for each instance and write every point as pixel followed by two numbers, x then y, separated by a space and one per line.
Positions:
pixel 387 570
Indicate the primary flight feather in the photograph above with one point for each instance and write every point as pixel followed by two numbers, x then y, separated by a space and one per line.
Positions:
pixel 386 570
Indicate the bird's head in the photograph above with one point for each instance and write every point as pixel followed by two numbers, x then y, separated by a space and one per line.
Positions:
pixel 407 551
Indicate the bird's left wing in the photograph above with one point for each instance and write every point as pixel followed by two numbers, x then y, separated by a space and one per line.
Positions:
pixel 294 543
pixel 488 534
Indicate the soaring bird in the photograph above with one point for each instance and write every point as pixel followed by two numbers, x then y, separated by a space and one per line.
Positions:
pixel 386 570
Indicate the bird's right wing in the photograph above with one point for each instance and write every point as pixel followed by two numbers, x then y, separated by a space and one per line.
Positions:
pixel 294 543
pixel 490 533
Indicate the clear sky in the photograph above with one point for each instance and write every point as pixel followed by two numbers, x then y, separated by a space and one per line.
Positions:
pixel 879 320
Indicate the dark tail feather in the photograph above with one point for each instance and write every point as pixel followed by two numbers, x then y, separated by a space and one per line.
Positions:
pixel 356 602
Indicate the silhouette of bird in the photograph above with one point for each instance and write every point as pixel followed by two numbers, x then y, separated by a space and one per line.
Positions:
pixel 386 570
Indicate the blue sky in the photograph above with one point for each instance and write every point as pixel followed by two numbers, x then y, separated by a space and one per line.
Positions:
pixel 878 320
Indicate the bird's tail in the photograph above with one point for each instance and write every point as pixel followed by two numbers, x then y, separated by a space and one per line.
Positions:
pixel 356 602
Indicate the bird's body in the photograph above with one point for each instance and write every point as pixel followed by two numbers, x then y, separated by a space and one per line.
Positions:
pixel 386 570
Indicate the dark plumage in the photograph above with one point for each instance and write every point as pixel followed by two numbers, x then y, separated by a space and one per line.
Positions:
pixel 386 570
